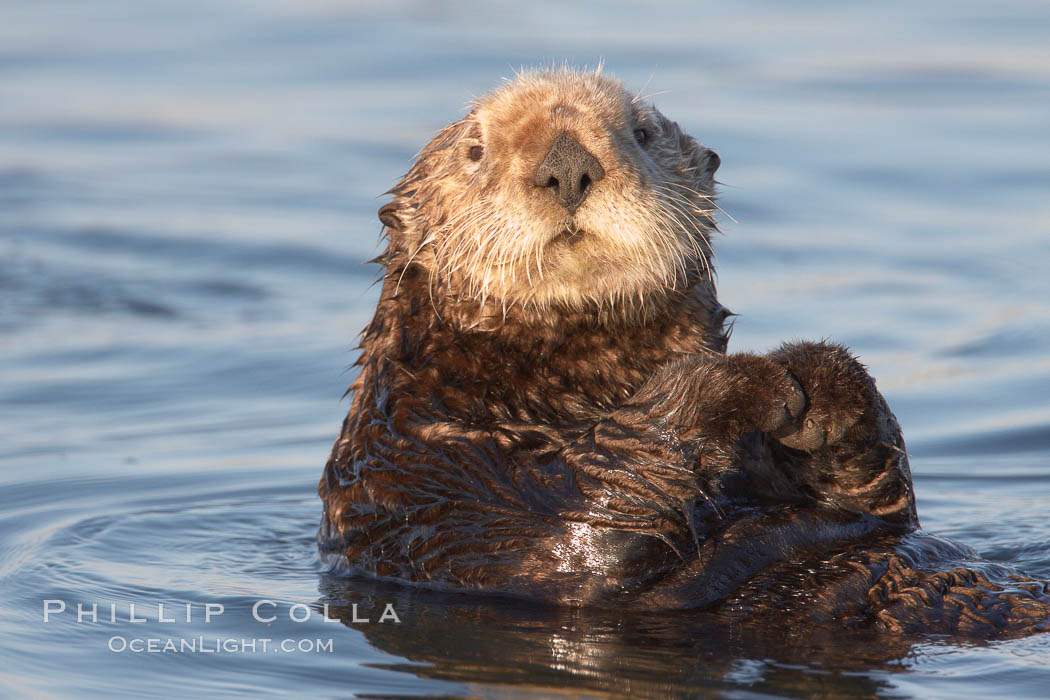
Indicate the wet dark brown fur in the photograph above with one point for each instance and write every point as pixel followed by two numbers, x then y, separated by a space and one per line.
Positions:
pixel 597 450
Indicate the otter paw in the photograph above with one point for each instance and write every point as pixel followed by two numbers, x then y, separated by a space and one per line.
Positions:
pixel 747 392
pixel 838 388
pixel 788 405
pixel 816 433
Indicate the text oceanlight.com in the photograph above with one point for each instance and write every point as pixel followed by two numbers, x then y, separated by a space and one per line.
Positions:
pixel 216 645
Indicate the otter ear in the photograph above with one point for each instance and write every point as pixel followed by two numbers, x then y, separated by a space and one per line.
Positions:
pixel 696 158
pixel 713 161
pixel 388 215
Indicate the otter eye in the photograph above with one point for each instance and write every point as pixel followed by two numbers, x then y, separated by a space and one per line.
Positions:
pixel 476 152
pixel 641 136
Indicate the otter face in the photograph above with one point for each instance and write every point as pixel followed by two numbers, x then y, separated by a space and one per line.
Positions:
pixel 560 190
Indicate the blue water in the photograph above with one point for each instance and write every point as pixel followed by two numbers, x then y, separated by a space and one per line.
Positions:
pixel 187 198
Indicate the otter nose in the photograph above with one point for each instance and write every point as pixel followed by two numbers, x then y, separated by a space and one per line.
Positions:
pixel 569 170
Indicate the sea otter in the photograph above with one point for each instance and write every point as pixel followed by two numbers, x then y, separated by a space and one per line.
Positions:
pixel 546 407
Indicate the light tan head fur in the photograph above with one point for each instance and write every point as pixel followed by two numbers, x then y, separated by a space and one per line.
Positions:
pixel 471 214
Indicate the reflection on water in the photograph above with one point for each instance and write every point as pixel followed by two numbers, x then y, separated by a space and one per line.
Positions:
pixel 187 198
pixel 548 651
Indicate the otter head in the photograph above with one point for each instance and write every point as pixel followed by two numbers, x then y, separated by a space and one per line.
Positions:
pixel 559 191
